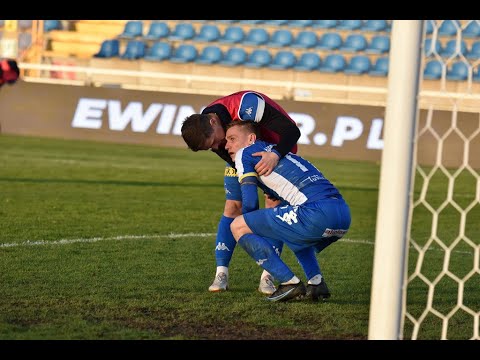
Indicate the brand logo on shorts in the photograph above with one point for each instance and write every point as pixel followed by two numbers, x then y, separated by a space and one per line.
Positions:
pixel 290 217
pixel 334 232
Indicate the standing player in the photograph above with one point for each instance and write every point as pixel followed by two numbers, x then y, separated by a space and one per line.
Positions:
pixel 312 216
pixel 206 131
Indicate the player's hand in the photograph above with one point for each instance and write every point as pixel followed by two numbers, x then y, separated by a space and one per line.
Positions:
pixel 268 162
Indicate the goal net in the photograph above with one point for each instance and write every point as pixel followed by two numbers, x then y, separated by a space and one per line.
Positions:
pixel 442 280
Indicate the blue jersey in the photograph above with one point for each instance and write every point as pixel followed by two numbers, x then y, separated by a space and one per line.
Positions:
pixel 294 179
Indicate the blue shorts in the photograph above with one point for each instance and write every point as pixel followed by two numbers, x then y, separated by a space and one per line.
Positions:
pixel 313 224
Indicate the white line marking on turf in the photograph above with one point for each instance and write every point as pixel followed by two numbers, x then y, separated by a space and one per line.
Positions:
pixel 96 239
pixel 153 236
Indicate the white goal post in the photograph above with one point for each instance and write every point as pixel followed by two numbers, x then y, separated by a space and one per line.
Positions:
pixel 392 211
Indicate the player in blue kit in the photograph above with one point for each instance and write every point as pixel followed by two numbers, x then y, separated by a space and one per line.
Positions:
pixel 206 131
pixel 312 215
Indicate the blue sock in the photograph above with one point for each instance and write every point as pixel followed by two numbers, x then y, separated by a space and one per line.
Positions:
pixel 308 260
pixel 276 244
pixel 225 242
pixel 265 256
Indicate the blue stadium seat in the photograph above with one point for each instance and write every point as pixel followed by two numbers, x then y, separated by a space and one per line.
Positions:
pixel 354 43
pixel 158 30
pixel 281 38
pixel 433 70
pixel 333 63
pixel 132 29
pixel 429 26
pixel 349 24
pixel 474 52
pixel 454 48
pixel 232 35
pixel 258 58
pixel 379 44
pixel 159 51
pixel 135 49
pixel 184 53
pixel 208 33
pixel 305 39
pixel 324 24
pixel 308 61
pixel 284 59
pixel 359 64
pixel 182 31
pixel 375 25
pixel 432 48
pixel 300 23
pixel 329 41
pixel 256 37
pixel 49 25
pixel 380 67
pixel 234 56
pixel 472 30
pixel 108 49
pixel 449 27
pixel 209 55
pixel 458 71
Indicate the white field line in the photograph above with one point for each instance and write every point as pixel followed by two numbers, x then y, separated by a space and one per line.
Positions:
pixel 153 236
pixel 128 237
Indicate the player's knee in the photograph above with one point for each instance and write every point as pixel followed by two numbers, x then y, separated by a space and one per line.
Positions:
pixel 238 227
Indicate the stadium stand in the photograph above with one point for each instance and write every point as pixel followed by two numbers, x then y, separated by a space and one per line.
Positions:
pixel 230 54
